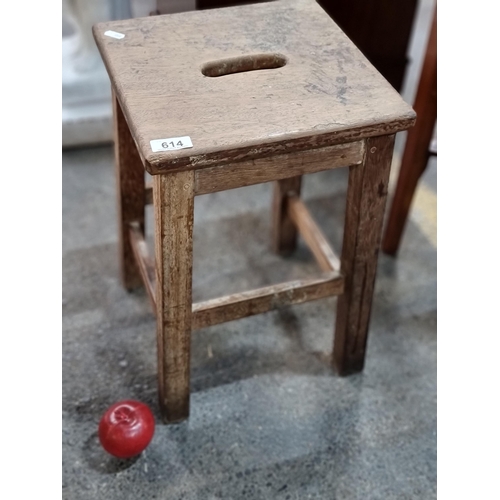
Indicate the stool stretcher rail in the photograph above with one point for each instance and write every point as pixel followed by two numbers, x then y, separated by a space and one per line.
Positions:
pixel 241 305
pixel 143 260
pixel 312 234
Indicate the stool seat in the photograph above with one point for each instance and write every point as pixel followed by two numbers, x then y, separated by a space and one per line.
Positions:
pixel 244 82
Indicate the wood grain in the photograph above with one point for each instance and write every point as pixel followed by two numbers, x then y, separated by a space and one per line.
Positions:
pixel 174 206
pixel 312 234
pixel 241 305
pixel 326 93
pixel 366 198
pixel 130 195
pixel 277 167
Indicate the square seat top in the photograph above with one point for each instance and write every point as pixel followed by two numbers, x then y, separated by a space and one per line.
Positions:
pixel 243 82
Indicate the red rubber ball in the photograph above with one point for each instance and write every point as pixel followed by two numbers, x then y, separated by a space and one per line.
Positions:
pixel 126 429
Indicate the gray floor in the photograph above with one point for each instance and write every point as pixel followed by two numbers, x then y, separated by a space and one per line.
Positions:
pixel 269 418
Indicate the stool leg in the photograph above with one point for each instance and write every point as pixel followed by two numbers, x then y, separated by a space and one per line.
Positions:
pixel 284 232
pixel 366 198
pixel 173 198
pixel 130 194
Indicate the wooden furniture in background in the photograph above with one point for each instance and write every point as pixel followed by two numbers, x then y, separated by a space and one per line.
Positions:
pixel 292 95
pixel 417 148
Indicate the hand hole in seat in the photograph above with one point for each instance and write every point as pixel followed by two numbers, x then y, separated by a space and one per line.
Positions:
pixel 243 63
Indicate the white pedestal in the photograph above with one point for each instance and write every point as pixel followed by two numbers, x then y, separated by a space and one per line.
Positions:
pixel 86 94
pixel 86 101
pixel 86 91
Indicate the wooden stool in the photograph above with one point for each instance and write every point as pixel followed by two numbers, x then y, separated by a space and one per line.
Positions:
pixel 212 100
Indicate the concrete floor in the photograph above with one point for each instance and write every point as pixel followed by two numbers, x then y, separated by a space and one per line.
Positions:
pixel 269 418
